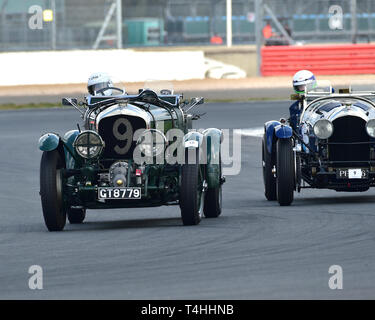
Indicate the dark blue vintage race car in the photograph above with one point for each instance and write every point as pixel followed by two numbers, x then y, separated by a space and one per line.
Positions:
pixel 332 146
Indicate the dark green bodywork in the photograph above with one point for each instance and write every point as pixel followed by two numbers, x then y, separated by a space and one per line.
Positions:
pixel 161 181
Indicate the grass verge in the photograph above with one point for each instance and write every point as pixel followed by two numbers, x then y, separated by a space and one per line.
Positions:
pixel 12 106
pixel 245 100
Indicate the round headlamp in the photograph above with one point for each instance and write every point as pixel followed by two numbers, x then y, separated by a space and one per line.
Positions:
pixel 152 142
pixel 88 144
pixel 323 129
pixel 370 128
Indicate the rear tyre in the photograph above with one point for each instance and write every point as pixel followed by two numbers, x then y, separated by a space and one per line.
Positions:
pixel 51 195
pixel 269 179
pixel 191 194
pixel 285 172
pixel 76 216
pixel 213 203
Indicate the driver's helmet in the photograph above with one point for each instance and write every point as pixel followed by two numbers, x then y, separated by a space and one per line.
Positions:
pixel 98 81
pixel 303 79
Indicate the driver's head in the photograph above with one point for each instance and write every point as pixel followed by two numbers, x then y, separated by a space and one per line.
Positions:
pixel 99 81
pixel 302 80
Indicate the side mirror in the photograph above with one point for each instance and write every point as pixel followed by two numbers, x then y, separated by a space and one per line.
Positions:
pixel 69 102
pixel 194 102
pixel 197 100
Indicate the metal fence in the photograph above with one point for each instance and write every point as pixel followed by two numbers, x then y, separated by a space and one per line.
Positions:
pixel 77 23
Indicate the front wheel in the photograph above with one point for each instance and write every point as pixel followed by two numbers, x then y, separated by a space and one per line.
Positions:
pixel 192 191
pixel 285 172
pixel 269 179
pixel 213 200
pixel 51 186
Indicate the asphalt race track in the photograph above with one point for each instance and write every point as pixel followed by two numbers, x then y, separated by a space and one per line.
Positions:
pixel 255 249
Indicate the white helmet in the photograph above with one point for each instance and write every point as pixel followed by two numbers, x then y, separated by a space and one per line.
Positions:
pixel 303 78
pixel 97 81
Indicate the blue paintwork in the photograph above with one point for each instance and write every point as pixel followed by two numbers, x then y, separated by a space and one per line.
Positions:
pixel 283 131
pixel 295 113
pixel 49 142
pixel 269 128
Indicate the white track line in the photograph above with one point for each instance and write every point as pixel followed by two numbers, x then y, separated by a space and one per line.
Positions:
pixel 253 132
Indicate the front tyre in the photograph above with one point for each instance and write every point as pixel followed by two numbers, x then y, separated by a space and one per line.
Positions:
pixel 285 179
pixel 269 179
pixel 213 200
pixel 51 195
pixel 76 216
pixel 191 191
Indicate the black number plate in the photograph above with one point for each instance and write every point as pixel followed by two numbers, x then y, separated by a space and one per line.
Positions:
pixel 352 173
pixel 119 193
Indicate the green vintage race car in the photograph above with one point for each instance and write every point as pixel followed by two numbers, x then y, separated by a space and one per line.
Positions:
pixel 133 151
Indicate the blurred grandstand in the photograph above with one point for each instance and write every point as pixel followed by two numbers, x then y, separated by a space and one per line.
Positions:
pixel 172 22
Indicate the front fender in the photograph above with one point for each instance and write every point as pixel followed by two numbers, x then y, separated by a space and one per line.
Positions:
pixel 49 142
pixel 213 138
pixel 193 140
pixel 52 141
pixel 269 133
pixel 283 131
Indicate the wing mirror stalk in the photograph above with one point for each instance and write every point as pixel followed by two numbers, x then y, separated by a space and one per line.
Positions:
pixel 72 102
pixel 194 102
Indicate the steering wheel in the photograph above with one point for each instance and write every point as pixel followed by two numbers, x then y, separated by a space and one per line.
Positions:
pixel 113 88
